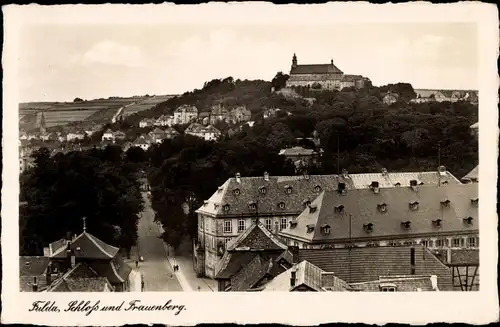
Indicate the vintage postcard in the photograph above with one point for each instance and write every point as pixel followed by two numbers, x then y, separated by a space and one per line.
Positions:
pixel 250 163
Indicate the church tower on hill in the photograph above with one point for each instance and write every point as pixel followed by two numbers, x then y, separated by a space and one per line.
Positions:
pixel 294 61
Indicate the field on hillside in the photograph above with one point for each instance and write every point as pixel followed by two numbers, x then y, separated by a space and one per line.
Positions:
pixel 62 113
pixel 145 104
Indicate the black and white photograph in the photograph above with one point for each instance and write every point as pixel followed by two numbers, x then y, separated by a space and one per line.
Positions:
pixel 249 156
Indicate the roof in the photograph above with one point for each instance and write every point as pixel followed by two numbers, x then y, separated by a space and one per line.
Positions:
pixel 211 129
pixel 170 130
pixel 116 270
pixel 308 275
pixel 157 131
pixel 81 278
pixel 459 257
pixel 256 237
pixel 195 128
pixel 204 114
pixel 297 151
pixel 239 194
pixel 364 264
pixel 219 111
pixel 26 283
pixel 362 206
pixel 315 69
pixel 108 131
pixel 32 265
pixel 253 272
pixel 475 125
pixel 407 283
pixel 472 175
pixel 85 246
pixel 186 108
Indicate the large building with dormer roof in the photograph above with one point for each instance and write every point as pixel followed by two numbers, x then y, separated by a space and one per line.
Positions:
pixel 277 200
pixel 437 217
pixel 328 76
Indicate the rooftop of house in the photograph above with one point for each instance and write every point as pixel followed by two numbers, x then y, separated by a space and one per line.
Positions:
pixel 81 278
pixel 157 131
pixel 240 251
pixel 84 246
pixel 32 265
pixel 365 214
pixel 219 110
pixel 472 175
pixel 315 69
pixel 248 195
pixel 195 128
pixel 365 264
pixel 186 108
pixel 297 151
pixel 405 283
pixel 306 274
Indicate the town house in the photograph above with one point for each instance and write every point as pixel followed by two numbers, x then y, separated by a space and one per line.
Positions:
pixel 108 135
pixel 240 114
pixel 218 113
pixel 146 122
pixel 185 114
pixel 277 200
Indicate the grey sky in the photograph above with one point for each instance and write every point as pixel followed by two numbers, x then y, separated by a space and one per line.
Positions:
pixel 63 61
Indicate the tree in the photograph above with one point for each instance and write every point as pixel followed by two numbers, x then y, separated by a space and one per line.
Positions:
pixel 78 100
pixel 279 81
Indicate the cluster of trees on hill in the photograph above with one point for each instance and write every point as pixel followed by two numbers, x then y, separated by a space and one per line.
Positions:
pixel 357 132
pixel 60 190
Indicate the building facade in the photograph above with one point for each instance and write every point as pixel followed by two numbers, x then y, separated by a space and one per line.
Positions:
pixel 185 114
pixel 323 76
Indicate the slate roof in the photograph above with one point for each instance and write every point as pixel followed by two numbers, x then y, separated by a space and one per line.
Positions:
pixel 315 69
pixel 472 175
pixel 364 264
pixel 304 188
pixel 248 277
pixel 306 274
pixel 82 278
pixel 85 246
pixel 409 283
pixel 186 108
pixel 116 271
pixel 362 205
pixel 32 265
pixel 255 240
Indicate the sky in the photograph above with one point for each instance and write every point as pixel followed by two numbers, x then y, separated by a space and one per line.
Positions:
pixel 58 62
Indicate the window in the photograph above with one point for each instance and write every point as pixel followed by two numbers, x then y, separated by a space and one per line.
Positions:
pixel 288 189
pixel 252 205
pixel 237 191
pixel 281 205
pixel 317 188
pixel 228 228
pixel 393 243
pixel 441 242
pixel 406 224
pixel 269 225
pixel 307 203
pixel 372 244
pixel 368 227
pixel 425 243
pixel 241 225
pixel 456 242
pixel 262 190
pixel 409 242
pixel 382 207
pixel 339 208
pixel 474 201
pixel 468 220
pixel 214 225
pixel 283 223
pixel 445 203
pixel 437 223
pixel 471 241
pixel 413 205
pixel 226 241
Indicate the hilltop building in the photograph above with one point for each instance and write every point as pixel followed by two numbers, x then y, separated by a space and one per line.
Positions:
pixel 185 114
pixel 327 76
pixel 278 200
pixel 427 95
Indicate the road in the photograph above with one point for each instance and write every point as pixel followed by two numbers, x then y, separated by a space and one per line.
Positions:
pixel 157 272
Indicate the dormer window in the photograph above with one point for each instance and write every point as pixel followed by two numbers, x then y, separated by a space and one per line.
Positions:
pixel 226 207
pixel 388 288
pixel 368 227
pixel 468 220
pixel 413 182
pixel 474 201
pixel 444 183
pixel 406 224
pixel 325 229
pixel 375 187
pixel 262 190
pixel 397 184
pixel 382 207
pixel 307 203
pixel 413 205
pixel 281 205
pixel 205 203
pixel 216 206
pixel 445 203
pixel 312 208
pixel 236 191
pixel 310 228
pixel 317 188
pixel 421 183
pixel 288 189
pixel 339 208
pixel 437 223
pixel 293 224
pixel 252 205
pixel 220 189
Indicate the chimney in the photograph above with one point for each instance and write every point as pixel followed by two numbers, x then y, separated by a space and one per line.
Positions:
pixel 238 178
pixel 331 61
pixel 413 184
pixel 327 279
pixel 276 228
pixel 35 284
pixel 384 172
pixel 48 274
pixel 434 282
pixel 442 170
pixel 448 255
pixel 345 173
pixel 266 176
pixel 375 187
pixel 294 250
pixel 412 261
pixel 293 276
